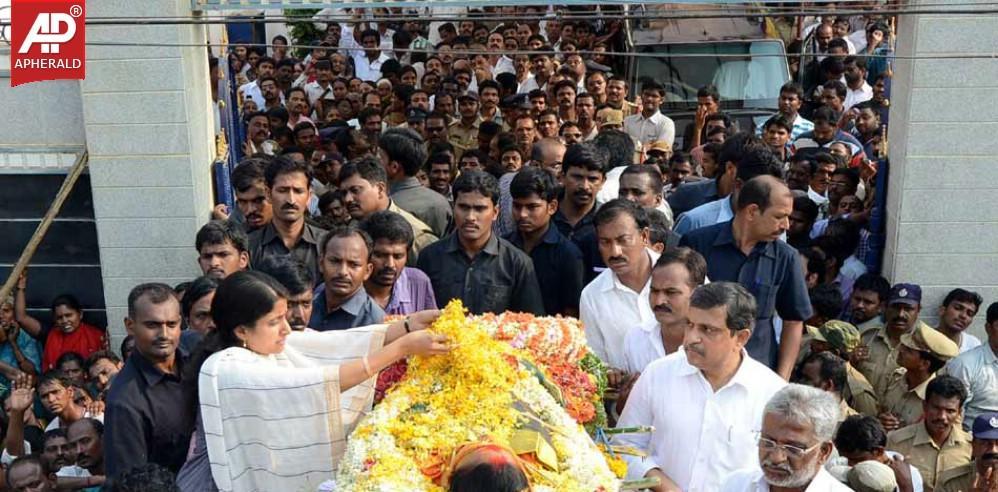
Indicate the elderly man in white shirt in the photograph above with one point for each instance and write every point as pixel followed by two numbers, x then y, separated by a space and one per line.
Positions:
pixel 618 298
pixel 675 275
pixel 650 125
pixel 795 443
pixel 705 401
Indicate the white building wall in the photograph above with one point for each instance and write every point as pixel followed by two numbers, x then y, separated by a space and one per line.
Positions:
pixel 943 225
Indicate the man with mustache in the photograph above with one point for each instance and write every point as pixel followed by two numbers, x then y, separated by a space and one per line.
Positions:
pixel 222 249
pixel 345 264
pixel 557 260
pixel 937 443
pixel 365 186
pixel 251 193
pixel 981 474
pixel 955 316
pixel 747 250
pixel 676 274
pixel 398 289
pixel 473 263
pixel 979 372
pixel 705 401
pixel 299 280
pixel 583 172
pixel 795 443
pixel 289 191
pixel 86 435
pixel 867 302
pixel 257 133
pixel 148 416
pixel 921 354
pixel 876 357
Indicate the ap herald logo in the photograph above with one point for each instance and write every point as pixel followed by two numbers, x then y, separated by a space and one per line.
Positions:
pixel 48 40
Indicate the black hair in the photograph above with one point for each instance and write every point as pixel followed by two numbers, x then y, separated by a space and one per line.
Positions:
pixel 860 433
pixel 757 191
pixel 851 174
pixel 617 207
pixel 157 293
pixel 831 367
pixel 651 85
pixel 389 226
pixel 807 206
pixel 781 121
pixel 70 357
pixel 838 87
pixel 758 161
pixel 733 148
pixel 296 277
pixel 281 166
pixel 710 91
pixel 739 304
pixel 302 126
pixel 815 259
pixel 366 33
pixel 838 43
pixel 199 288
pixel 824 114
pixel 840 240
pixel 56 433
pixel 149 477
pixel 100 355
pixel 831 65
pixel 826 300
pixel 248 172
pixel 566 83
pixel 946 387
pixel 404 146
pixel 366 114
pixel 793 88
pixel 659 226
pixel 488 477
pixel 533 181
pixel 992 313
pixel 476 181
pixel 343 232
pixel 646 170
pixel 68 300
pixel 963 295
pixel 586 155
pixel 871 282
pixel 691 259
pixel 368 168
pixel 217 232
pixel 618 146
pixel 54 376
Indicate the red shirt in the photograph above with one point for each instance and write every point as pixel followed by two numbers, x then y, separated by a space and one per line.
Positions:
pixel 85 340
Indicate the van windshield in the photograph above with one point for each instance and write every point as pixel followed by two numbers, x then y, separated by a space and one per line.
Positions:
pixel 748 74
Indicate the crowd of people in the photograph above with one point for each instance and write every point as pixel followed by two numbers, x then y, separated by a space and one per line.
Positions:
pixel 385 175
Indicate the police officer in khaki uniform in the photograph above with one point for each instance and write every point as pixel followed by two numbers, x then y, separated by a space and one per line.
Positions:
pixel 463 133
pixel 842 338
pixel 920 354
pixel 876 357
pixel 938 442
pixel 982 473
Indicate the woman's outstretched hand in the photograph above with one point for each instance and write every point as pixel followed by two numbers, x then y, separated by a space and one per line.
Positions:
pixel 425 343
pixel 422 320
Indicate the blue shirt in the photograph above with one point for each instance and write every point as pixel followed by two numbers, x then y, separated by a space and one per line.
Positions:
pixel 558 265
pixel 692 195
pixel 771 272
pixel 707 214
pixel 358 310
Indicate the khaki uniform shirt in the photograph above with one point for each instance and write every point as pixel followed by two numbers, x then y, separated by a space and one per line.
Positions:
pixel 846 410
pixel 882 361
pixel 859 392
pixel 462 137
pixel 905 403
pixel 931 461
pixel 958 479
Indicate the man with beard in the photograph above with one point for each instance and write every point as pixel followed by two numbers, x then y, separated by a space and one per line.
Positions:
pixel 251 193
pixel 345 264
pixel 149 410
pixel 706 426
pixel 398 289
pixel 955 316
pixel 583 172
pixel 272 95
pixel 747 250
pixel 61 457
pixel 982 472
pixel 877 355
pixel 86 435
pixel 475 265
pixel 867 302
pixel 676 274
pixel 365 187
pixel 801 220
pixel 299 281
pixel 257 133
pixel 795 443
pixel 937 443
pixel 857 90
pixel 618 298
pixel 222 249
pixel 585 113
pixel 802 169
pixel 557 261
pixel 289 190
pixel 251 90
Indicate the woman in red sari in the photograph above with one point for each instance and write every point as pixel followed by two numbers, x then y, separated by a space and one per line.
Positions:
pixel 68 333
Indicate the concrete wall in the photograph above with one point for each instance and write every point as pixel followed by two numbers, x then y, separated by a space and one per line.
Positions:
pixel 943 218
pixel 149 131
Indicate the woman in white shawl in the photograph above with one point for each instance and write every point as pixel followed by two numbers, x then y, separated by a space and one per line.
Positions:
pixel 276 405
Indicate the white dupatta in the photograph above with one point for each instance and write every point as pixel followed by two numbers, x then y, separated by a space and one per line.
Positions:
pixel 279 423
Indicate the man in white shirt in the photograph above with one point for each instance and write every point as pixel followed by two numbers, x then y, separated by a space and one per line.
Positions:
pixel 675 275
pixel 978 370
pixel 705 401
pixel 956 313
pixel 795 443
pixel 367 63
pixel 650 124
pixel 618 298
pixel 857 90
pixel 251 90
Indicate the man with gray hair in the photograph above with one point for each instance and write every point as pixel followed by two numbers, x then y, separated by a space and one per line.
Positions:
pixel 705 401
pixel 796 440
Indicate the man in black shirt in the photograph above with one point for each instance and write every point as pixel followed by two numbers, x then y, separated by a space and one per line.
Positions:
pixel 149 416
pixel 472 264
pixel 557 260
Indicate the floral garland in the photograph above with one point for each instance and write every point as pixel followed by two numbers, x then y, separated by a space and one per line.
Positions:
pixel 479 389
